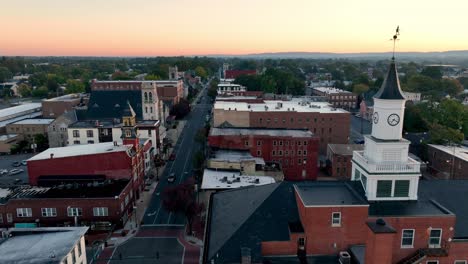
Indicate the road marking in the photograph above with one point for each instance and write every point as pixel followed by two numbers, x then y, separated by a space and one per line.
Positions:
pixel 174 225
pixel 180 180
pixel 183 253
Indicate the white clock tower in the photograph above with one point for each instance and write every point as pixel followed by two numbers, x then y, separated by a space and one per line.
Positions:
pixel 384 168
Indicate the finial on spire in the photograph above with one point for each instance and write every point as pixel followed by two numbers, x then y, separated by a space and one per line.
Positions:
pixel 395 38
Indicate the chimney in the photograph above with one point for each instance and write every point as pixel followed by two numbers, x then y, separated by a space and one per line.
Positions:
pixel 379 244
pixel 51 155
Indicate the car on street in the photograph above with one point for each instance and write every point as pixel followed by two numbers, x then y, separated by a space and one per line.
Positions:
pixel 172 156
pixel 171 178
pixel 3 171
pixel 18 181
pixel 16 171
pixel 24 162
pixel 16 164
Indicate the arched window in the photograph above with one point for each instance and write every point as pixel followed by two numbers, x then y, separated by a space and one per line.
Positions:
pixel 146 96
pixel 151 97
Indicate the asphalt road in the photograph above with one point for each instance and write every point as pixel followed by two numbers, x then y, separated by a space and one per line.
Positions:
pixel 182 166
pixel 355 133
pixel 6 161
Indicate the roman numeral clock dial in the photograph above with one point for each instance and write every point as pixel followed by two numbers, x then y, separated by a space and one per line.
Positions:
pixel 393 119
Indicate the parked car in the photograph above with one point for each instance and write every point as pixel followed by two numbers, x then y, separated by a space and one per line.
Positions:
pixel 24 162
pixel 171 178
pixel 16 164
pixel 17 181
pixel 172 156
pixel 16 171
pixel 3 171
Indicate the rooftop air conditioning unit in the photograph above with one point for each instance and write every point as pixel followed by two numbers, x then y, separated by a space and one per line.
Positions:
pixel 345 258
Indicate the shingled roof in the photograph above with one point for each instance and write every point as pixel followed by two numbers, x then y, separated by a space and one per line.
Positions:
pixel 390 89
pixel 112 104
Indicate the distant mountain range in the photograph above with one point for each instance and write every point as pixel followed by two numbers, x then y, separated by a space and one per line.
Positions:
pixel 444 56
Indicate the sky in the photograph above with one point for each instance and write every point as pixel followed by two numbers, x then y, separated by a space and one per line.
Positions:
pixel 231 27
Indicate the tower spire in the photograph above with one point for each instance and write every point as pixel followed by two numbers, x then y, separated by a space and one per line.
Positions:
pixel 395 38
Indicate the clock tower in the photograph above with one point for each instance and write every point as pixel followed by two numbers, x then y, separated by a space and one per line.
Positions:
pixel 384 168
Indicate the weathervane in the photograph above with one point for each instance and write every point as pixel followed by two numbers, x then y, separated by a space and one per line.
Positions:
pixel 395 38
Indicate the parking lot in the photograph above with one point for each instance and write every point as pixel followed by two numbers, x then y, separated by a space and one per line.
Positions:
pixel 6 162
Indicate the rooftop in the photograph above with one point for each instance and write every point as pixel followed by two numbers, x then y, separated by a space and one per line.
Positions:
pixel 111 104
pixel 67 97
pixel 229 85
pixel 390 89
pixel 94 124
pixel 38 121
pixel 459 152
pixel 40 245
pixel 233 98
pixel 5 113
pixel 80 150
pixel 300 105
pixel 331 90
pixel 19 118
pixel 345 149
pixel 422 207
pixel 222 179
pixel 235 156
pixel 261 132
pixel 328 193
pixel 8 136
pixel 102 189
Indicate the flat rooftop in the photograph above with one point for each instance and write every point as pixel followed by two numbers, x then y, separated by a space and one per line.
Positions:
pixel 40 245
pixel 103 189
pixel 80 150
pixel 300 105
pixel 67 97
pixel 345 149
pixel 223 179
pixel 459 152
pixel 19 118
pixel 260 132
pixel 8 136
pixel 229 85
pixel 19 109
pixel 236 156
pixel 94 124
pixel 233 98
pixel 331 90
pixel 407 208
pixel 33 121
pixel 328 193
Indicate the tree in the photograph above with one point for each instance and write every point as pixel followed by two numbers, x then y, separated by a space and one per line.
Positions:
pixel 24 90
pixel 41 141
pixel 433 72
pixel 180 109
pixel 442 135
pixel 40 92
pixel 360 88
pixel 451 86
pixel 5 74
pixel 152 77
pixel 200 71
pixel 181 199
pixel 118 75
pixel 198 159
pixel 74 86
pixel 414 121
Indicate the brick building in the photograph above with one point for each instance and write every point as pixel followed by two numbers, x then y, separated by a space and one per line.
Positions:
pixel 448 162
pixel 28 128
pixel 55 107
pixel 295 150
pixel 339 159
pixel 331 125
pixel 337 97
pixel 99 204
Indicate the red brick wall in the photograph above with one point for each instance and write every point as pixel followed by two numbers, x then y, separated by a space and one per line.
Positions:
pixel 329 127
pixel 317 224
pixel 290 163
pixel 115 165
pixel 56 108
pixel 379 247
pixel 450 168
pixel 341 166
pixel 270 248
pixel 420 226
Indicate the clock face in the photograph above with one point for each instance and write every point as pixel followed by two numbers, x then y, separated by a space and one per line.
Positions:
pixel 393 119
pixel 375 117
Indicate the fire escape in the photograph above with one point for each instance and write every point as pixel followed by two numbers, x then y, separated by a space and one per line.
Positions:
pixel 423 253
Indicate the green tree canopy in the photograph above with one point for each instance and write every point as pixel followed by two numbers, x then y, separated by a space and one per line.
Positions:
pixel 360 88
pixel 5 74
pixel 24 90
pixel 200 71
pixel 74 86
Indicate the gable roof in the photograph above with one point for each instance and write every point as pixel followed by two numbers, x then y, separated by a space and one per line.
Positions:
pixel 112 104
pixel 263 212
pixel 390 89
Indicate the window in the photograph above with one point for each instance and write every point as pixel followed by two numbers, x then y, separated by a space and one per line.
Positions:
pixel 301 242
pixel 299 152
pixel 1 219
pixel 299 143
pixel 78 247
pixel 304 152
pixel 246 143
pixel 276 120
pixel 407 238
pixel 274 153
pixel 384 188
pixel 286 153
pixel 432 262
pixel 76 133
pixel 305 143
pixel 259 142
pixel 434 238
pixel 357 174
pixel 274 142
pixel 90 141
pixel 74 211
pixel 401 188
pixel 336 219
pixel 76 142
pixel 268 120
pixel 459 262
pixel 149 132
pixel 100 211
pixel 259 152
pixel 89 133
pixel 73 259
pixel 9 217
pixel 49 212
pixel 299 161
pixel 280 143
pixel 364 181
pixel 150 97
pixel 260 120
pixel 146 109
pixel 292 120
pixel 23 212
pixel 151 109
pixel 280 153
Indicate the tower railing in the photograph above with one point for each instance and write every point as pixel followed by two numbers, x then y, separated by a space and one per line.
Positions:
pixel 410 166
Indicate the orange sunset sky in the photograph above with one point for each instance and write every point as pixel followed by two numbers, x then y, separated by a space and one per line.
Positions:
pixel 189 27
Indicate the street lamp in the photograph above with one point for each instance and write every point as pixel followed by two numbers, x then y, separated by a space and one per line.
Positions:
pixel 135 216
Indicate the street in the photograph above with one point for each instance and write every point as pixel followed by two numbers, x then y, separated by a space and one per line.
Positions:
pixel 182 166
